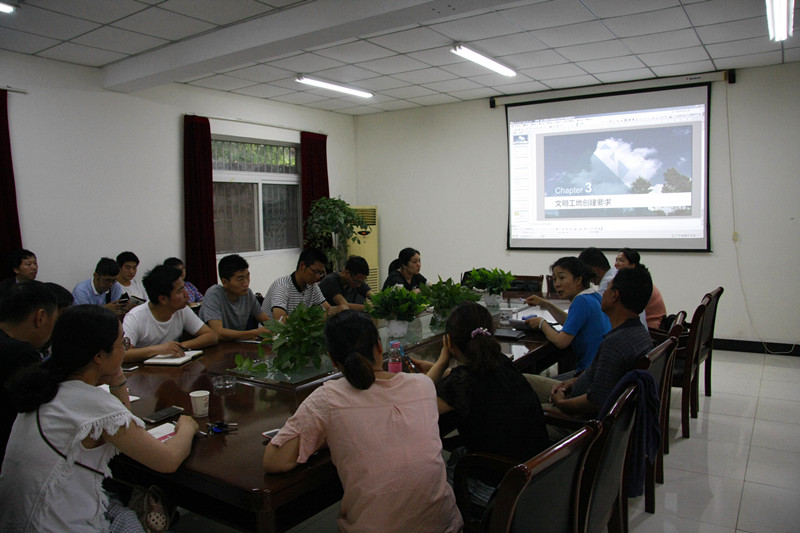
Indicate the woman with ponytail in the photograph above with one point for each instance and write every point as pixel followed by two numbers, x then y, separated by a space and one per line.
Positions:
pixel 68 429
pixel 383 433
pixel 496 409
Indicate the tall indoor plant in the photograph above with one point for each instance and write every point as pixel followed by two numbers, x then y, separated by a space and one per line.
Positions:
pixel 329 226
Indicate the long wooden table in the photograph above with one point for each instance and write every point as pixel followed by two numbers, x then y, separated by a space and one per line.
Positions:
pixel 223 477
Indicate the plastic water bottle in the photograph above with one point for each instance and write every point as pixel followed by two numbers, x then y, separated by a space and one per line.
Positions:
pixel 395 359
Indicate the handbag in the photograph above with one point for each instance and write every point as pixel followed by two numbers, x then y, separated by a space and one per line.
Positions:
pixel 153 508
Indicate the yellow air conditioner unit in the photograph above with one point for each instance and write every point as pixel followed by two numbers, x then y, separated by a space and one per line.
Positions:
pixel 368 247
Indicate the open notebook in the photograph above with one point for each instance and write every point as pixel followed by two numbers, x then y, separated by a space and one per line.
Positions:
pixel 187 356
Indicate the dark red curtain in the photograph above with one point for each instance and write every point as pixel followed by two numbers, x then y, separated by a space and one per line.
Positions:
pixel 313 170
pixel 10 236
pixel 198 202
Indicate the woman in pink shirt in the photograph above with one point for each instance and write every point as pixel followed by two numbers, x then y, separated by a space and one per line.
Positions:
pixel 383 433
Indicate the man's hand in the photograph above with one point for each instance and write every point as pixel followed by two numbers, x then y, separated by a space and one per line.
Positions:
pixel 171 348
pixel 117 307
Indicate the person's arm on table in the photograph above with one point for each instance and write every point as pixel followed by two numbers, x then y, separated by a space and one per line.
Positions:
pixel 173 348
pixel 226 334
pixel 559 314
pixel 202 338
pixel 560 339
pixel 164 457
pixel 343 303
pixel 281 459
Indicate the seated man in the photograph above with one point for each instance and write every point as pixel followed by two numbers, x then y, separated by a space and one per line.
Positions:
pixel 102 288
pixel 228 308
pixel 128 265
pixel 195 296
pixel 25 269
pixel 349 286
pixel 288 292
pixel 597 262
pixel 27 316
pixel 155 328
pixel 626 296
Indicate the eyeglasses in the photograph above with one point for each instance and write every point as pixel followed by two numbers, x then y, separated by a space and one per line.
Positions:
pixel 126 343
pixel 318 272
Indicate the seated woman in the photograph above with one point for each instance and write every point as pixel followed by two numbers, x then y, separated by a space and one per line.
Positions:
pixel 497 411
pixel 655 311
pixel 405 271
pixel 195 296
pixel 383 433
pixel 584 324
pixel 68 430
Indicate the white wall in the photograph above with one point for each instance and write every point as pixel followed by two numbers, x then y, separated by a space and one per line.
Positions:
pixel 439 177
pixel 99 172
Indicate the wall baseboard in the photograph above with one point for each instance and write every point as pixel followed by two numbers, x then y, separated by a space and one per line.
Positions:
pixel 756 347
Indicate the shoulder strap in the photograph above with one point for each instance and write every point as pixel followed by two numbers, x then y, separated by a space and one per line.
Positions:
pixel 39 425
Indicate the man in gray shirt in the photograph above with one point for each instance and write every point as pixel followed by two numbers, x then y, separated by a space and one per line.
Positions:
pixel 228 308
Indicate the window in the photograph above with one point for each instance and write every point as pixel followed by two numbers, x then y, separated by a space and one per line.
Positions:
pixel 256 196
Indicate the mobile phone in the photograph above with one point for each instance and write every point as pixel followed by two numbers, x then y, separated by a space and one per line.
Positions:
pixel 269 434
pixel 163 414
pixel 124 298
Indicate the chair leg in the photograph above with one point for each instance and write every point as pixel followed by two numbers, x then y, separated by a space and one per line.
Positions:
pixel 660 468
pixel 708 375
pixel 650 488
pixel 695 396
pixel 685 400
pixel 618 523
pixel 665 436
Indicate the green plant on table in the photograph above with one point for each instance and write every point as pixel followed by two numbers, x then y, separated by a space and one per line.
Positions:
pixel 245 365
pixel 396 303
pixel 494 281
pixel 298 341
pixel 445 295
pixel 330 225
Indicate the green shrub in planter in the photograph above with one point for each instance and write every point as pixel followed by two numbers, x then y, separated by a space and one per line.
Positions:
pixel 494 281
pixel 396 303
pixel 445 295
pixel 297 341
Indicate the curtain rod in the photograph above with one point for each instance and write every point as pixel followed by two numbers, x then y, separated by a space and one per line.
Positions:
pixel 243 121
pixel 13 90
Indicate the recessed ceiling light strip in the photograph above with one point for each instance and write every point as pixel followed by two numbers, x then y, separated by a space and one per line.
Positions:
pixel 333 86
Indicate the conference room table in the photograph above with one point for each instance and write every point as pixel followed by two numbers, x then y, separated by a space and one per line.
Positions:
pixel 223 477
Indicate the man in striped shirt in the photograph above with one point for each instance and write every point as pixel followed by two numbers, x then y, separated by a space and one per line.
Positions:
pixel 287 292
pixel 626 297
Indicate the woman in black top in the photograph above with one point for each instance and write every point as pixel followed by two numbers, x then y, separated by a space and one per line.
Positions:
pixel 405 271
pixel 496 408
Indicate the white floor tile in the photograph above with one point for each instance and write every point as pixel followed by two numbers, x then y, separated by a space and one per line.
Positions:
pixel 739 358
pixel 739 385
pixel 778 410
pixel 777 435
pixel 642 522
pixel 783 361
pixel 715 458
pixel 700 497
pixel 777 468
pixel 768 509
pixel 713 427
pixel 780 390
pixel 722 403
pixel 776 373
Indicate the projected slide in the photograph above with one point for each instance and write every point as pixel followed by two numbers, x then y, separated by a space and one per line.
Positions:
pixel 610 171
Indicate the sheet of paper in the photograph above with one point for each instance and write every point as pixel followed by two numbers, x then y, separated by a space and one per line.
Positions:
pixel 166 359
pixel 163 432
pixel 130 396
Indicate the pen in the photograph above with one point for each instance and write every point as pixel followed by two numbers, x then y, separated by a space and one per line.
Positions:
pixel 526 317
pixel 131 369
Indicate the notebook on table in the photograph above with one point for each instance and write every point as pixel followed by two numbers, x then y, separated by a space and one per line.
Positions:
pixel 170 360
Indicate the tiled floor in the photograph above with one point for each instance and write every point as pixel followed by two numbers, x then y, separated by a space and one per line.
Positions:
pixel 739 471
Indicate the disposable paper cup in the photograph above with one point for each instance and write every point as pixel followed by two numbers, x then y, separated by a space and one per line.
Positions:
pixel 199 402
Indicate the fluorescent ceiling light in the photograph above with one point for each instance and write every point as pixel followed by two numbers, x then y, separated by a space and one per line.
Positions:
pixel 780 15
pixel 6 8
pixel 466 53
pixel 333 86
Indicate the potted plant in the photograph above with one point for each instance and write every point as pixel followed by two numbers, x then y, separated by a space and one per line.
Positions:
pixel 329 226
pixel 444 295
pixel 398 306
pixel 298 341
pixel 493 281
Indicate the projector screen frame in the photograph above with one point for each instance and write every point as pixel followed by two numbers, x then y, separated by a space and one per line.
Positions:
pixel 611 244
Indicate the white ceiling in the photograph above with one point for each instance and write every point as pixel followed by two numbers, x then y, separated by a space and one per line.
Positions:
pixel 397 49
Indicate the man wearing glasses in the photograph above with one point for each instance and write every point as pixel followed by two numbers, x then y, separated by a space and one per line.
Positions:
pixel 287 292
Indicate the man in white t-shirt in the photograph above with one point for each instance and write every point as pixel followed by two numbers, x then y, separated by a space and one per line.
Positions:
pixel 128 265
pixel 155 328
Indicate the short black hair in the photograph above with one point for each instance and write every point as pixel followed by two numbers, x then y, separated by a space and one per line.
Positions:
pixel 160 281
pixel 357 265
pixel 19 255
pixel 22 299
pixel 173 262
pixel 64 298
pixel 310 256
pixel 635 287
pixel 106 267
pixel 127 257
pixel 230 265
pixel 594 257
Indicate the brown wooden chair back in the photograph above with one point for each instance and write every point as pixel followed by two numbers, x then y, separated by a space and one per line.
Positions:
pixel 707 335
pixel 600 500
pixel 539 495
pixel 686 362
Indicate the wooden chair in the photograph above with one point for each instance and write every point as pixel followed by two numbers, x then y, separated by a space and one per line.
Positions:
pixel 707 343
pixel 551 288
pixel 529 284
pixel 601 500
pixel 538 495
pixel 684 374
pixel 659 362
